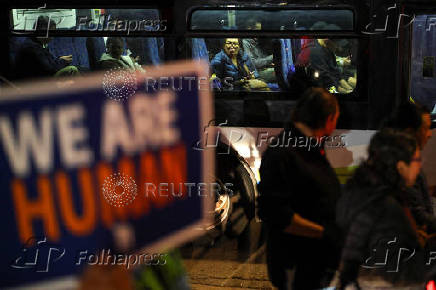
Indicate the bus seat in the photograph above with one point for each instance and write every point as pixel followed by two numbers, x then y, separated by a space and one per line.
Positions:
pixel 60 46
pixel 286 62
pixel 152 50
pixel 14 45
pixel 95 47
pixel 146 48
pixel 199 51
pixel 81 52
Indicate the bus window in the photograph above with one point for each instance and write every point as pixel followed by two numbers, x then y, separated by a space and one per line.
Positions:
pixel 423 78
pixel 267 64
pixel 275 20
pixel 78 52
pixel 251 64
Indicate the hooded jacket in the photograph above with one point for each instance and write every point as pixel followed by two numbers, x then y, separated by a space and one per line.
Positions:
pixel 377 225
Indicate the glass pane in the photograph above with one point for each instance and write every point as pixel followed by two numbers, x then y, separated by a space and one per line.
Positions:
pixel 304 19
pixel 252 64
pixel 34 57
pixel 423 77
pixel 124 20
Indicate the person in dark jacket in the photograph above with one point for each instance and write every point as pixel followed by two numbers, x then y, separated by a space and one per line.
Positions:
pixel 33 58
pixel 298 194
pixel 320 55
pixel 415 120
pixel 232 66
pixel 381 231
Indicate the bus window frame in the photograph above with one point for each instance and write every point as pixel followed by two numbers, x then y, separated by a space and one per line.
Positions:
pixel 272 8
pixel 416 10
pixel 88 33
pixel 286 34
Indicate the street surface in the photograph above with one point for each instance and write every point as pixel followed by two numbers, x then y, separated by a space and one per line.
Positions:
pixel 229 263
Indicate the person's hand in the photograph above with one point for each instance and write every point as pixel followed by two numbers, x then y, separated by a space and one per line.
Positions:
pixel 352 82
pixel 67 58
pixel 135 59
pixel 256 84
pixel 343 90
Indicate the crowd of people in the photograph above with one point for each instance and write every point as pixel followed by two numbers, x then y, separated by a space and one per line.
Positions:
pixel 381 221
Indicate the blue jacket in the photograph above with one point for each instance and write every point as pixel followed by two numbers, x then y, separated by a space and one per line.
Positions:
pixel 223 67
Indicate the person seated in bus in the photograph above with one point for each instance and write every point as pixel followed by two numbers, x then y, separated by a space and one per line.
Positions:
pixel 114 58
pixel 261 60
pixel 234 68
pixel 373 210
pixel 320 55
pixel 33 58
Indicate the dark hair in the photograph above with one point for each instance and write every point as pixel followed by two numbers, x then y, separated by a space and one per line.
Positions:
pixel 224 42
pixel 406 116
pixel 42 23
pixel 386 149
pixel 314 107
pixel 111 40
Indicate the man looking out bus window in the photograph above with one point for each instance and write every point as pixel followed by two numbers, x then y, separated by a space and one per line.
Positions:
pixel 298 195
